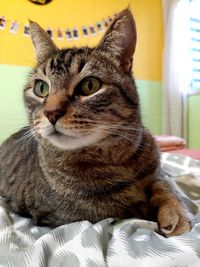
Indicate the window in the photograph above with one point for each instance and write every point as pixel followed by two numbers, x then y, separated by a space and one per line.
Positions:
pixel 195 45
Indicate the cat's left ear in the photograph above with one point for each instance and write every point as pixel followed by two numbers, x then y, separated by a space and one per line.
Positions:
pixel 120 39
pixel 44 46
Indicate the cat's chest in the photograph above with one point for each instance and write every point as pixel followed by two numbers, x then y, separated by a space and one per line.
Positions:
pixel 91 180
pixel 95 201
pixel 97 186
pixel 93 193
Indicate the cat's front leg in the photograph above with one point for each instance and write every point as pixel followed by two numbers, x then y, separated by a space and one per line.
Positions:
pixel 173 217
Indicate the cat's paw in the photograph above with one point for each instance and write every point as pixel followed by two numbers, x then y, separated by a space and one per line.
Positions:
pixel 174 219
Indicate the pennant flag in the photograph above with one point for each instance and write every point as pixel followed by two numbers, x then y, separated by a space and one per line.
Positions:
pixel 50 33
pixel 68 35
pixel 92 30
pixel 105 23
pixel 2 23
pixel 99 27
pixel 14 27
pixel 75 34
pixel 85 31
pixel 59 34
pixel 110 19
pixel 26 30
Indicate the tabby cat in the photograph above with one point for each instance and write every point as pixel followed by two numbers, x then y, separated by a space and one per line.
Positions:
pixel 85 154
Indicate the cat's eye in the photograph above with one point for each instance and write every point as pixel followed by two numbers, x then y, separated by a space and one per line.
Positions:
pixel 41 88
pixel 89 86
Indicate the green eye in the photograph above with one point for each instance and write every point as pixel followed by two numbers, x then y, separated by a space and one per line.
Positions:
pixel 41 88
pixel 90 86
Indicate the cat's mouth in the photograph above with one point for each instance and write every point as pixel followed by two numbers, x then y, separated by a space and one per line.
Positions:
pixel 61 140
pixel 59 135
pixel 68 141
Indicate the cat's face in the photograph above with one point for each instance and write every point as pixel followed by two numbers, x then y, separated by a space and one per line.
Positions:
pixel 78 97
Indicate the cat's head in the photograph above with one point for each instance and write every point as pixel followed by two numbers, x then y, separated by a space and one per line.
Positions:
pixel 80 96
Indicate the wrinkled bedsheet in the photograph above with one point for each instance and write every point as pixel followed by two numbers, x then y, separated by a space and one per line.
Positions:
pixel 109 242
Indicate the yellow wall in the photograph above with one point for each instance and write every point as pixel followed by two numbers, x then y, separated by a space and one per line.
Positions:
pixel 17 49
pixel 148 59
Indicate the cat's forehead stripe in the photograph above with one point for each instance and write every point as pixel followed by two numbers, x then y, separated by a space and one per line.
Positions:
pixel 81 65
pixel 63 61
pixel 78 61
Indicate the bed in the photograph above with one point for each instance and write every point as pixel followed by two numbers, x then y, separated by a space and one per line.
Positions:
pixel 110 242
pixel 177 145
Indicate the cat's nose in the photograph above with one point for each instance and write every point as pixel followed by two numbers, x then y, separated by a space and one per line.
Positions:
pixel 54 115
pixel 55 106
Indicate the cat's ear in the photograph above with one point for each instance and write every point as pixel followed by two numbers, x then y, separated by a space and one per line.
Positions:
pixel 120 39
pixel 43 44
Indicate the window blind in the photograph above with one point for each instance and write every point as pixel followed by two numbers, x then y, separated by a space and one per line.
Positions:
pixel 195 49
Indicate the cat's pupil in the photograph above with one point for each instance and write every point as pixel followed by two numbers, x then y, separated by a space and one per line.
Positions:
pixel 90 86
pixel 41 87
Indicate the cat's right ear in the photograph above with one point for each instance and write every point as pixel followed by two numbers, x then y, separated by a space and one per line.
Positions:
pixel 120 39
pixel 44 46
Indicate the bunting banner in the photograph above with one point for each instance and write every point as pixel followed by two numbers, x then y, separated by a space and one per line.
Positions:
pixel 13 26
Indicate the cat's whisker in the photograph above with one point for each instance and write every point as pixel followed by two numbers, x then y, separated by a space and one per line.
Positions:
pixel 119 134
pixel 120 127
pixel 20 139
pixel 110 124
pixel 27 137
pixel 125 128
pixel 125 135
pixel 30 133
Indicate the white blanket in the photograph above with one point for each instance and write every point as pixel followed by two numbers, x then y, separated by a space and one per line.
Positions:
pixel 110 243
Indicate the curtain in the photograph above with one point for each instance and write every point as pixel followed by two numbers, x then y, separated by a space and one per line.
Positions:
pixel 176 66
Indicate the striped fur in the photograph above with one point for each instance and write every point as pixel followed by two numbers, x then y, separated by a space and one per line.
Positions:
pixel 87 157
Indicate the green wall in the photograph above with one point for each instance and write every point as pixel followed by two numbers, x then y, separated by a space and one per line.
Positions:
pixel 194 121
pixel 12 113
pixel 150 93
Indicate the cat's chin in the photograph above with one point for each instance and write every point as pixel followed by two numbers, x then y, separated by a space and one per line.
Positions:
pixel 67 142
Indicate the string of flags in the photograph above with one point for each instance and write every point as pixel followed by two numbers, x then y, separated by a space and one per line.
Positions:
pixel 59 33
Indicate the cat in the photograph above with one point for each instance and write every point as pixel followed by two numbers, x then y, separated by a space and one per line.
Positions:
pixel 86 154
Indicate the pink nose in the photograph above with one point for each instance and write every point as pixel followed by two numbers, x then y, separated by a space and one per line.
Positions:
pixel 54 115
